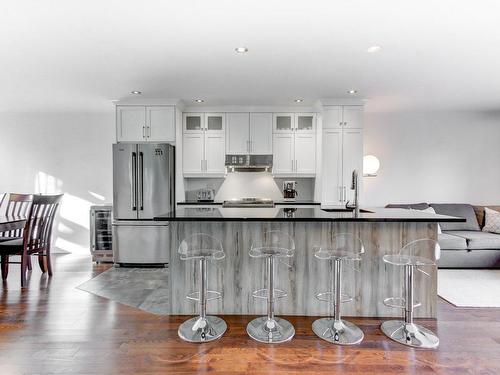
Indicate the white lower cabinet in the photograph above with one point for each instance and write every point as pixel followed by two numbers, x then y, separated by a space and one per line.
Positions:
pixel 342 153
pixel 294 154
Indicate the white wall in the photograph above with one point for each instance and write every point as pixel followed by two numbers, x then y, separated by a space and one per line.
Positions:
pixel 433 157
pixel 52 153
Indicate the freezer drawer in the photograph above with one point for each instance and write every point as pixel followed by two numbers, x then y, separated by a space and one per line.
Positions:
pixel 141 243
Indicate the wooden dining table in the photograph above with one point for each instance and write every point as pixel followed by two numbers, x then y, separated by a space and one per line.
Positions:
pixel 11 222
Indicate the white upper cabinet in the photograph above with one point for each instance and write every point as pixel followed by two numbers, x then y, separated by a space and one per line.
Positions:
pixel 136 123
pixel 215 156
pixel 261 133
pixel 305 154
pixel 130 123
pixel 332 117
pixel 215 122
pixel 237 133
pixel 249 133
pixel 193 122
pixel 203 144
pixel 305 122
pixel 283 122
pixel 301 130
pixel 347 116
pixel 160 123
pixel 283 154
pixel 352 116
pixel 193 153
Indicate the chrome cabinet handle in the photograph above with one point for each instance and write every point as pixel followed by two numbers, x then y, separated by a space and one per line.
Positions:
pixel 201 165
pixel 345 195
pixel 141 181
pixel 340 194
pixel 143 132
pixel 134 182
pixel 292 165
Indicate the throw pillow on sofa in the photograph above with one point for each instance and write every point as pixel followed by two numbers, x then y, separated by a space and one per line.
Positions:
pixel 432 211
pixel 492 221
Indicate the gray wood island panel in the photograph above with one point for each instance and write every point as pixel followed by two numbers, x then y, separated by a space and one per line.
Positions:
pixel 238 275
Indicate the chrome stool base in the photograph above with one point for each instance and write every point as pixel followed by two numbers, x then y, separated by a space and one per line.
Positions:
pixel 410 334
pixel 200 329
pixel 271 331
pixel 339 332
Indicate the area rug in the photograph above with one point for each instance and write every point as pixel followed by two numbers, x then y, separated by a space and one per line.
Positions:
pixel 470 288
pixel 143 288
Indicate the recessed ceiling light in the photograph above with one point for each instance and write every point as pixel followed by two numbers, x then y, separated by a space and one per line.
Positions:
pixel 199 100
pixel 373 49
pixel 241 49
pixel 299 100
pixel 352 92
pixel 135 92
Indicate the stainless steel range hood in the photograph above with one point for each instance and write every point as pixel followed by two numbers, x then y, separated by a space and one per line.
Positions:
pixel 249 163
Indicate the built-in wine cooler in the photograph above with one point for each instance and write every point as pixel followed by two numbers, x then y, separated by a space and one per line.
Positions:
pixel 101 233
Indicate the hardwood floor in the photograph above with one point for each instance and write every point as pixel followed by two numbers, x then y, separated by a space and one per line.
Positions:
pixel 54 328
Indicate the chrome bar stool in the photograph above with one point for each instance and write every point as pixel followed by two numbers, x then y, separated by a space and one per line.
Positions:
pixel 343 247
pixel 275 245
pixel 407 332
pixel 202 328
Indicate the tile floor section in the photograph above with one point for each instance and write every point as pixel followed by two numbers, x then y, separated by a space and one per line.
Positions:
pixel 143 288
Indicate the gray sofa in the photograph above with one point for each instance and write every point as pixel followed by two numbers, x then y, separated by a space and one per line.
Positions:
pixel 463 245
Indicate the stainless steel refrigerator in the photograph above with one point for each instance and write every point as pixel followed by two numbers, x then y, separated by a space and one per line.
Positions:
pixel 143 187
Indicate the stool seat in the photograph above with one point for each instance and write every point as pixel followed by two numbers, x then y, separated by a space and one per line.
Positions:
pixel 408 260
pixel 278 252
pixel 336 253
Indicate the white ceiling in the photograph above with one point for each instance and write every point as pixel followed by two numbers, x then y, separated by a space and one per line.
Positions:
pixel 65 55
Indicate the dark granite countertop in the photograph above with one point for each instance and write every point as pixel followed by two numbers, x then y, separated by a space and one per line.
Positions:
pixel 302 214
pixel 297 202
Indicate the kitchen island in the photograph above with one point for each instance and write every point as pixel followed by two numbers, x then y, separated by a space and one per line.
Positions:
pixel 383 231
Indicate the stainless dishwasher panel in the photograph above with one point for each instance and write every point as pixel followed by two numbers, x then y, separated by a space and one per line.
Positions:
pixel 141 242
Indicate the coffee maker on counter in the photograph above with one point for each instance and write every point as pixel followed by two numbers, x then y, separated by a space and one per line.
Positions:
pixel 290 190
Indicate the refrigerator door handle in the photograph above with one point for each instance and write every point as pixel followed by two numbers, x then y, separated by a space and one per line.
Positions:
pixel 141 181
pixel 134 182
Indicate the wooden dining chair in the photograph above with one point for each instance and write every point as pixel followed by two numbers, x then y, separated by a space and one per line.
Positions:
pixel 36 239
pixel 17 205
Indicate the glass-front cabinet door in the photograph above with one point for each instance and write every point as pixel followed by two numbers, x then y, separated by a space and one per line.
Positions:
pixel 193 122
pixel 305 122
pixel 215 122
pixel 283 122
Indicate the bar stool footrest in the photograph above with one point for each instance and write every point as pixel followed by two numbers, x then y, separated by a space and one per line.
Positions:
pixel 211 295
pixel 264 293
pixel 330 297
pixel 398 303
